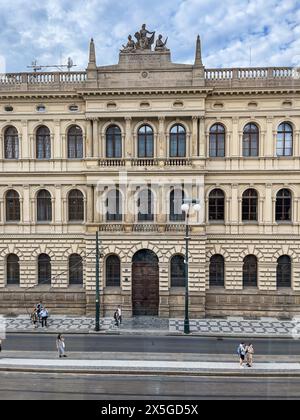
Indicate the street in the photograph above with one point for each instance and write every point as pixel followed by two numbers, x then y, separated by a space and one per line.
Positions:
pixel 26 386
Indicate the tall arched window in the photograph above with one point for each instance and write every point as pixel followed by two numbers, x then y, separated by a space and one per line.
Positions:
pixel 217 141
pixel 176 201
pixel 177 271
pixel 250 271
pixel 285 140
pixel 75 269
pixel 249 205
pixel 75 142
pixel 216 271
pixel 216 205
pixel 12 270
pixel 284 206
pixel 43 143
pixel 12 206
pixel 145 142
pixel 250 140
pixel 44 269
pixel 76 206
pixel 113 142
pixel 177 141
pixel 114 206
pixel 145 206
pixel 44 206
pixel 11 143
pixel 113 271
pixel 284 271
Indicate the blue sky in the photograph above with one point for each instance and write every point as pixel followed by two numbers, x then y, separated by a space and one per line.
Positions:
pixel 53 30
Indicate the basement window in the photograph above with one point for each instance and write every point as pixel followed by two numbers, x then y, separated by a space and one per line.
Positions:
pixel 8 108
pixel 41 108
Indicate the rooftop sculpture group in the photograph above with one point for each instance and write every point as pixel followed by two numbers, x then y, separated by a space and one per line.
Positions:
pixel 144 42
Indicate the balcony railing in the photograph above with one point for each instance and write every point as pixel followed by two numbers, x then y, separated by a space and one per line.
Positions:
pixel 43 78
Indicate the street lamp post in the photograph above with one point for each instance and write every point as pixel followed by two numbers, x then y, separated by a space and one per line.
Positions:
pixel 97 320
pixel 186 206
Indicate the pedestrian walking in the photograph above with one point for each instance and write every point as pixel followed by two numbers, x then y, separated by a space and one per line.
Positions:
pixel 38 310
pixel 241 351
pixel 249 355
pixel 34 318
pixel 44 316
pixel 60 345
pixel 116 317
pixel 120 314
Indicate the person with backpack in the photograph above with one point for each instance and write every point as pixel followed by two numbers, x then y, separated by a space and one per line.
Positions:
pixel 241 351
pixel 249 355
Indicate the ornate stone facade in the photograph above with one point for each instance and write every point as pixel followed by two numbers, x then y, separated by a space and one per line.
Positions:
pixel 146 89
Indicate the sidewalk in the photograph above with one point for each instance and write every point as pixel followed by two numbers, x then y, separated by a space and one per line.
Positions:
pixel 235 327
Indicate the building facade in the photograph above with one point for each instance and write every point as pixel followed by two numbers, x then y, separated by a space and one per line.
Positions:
pixel 115 149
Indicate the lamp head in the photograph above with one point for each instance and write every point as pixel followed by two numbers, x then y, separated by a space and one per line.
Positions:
pixel 185 207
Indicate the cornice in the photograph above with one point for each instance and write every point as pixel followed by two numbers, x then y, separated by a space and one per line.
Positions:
pixel 148 92
pixel 248 91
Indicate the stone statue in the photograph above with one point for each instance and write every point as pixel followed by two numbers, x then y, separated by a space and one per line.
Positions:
pixel 160 45
pixel 143 41
pixel 130 46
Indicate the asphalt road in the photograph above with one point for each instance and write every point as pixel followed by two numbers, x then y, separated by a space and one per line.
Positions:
pixel 29 386
pixel 157 344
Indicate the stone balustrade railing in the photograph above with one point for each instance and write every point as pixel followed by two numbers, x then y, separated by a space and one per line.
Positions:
pixel 42 78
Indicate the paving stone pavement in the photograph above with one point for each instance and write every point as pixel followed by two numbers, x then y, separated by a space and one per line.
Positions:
pixel 230 326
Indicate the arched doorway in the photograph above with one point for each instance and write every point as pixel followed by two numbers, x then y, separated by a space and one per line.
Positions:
pixel 145 283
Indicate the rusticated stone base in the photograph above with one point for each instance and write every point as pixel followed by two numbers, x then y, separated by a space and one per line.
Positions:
pixel 283 303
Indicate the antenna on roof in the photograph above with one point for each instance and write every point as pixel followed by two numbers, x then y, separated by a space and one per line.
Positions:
pixel 250 57
pixel 60 67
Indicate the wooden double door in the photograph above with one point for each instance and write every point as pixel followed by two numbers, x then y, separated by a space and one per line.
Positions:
pixel 145 284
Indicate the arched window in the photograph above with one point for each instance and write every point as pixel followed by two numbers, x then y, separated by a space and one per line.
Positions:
pixel 75 269
pixel 113 271
pixel 177 141
pixel 75 142
pixel 145 206
pixel 177 271
pixel 76 206
pixel 217 141
pixel 114 206
pixel 250 271
pixel 284 271
pixel 284 206
pixel 113 142
pixel 216 205
pixel 145 142
pixel 44 206
pixel 176 201
pixel 44 269
pixel 249 205
pixel 216 271
pixel 250 140
pixel 43 143
pixel 285 140
pixel 11 143
pixel 12 206
pixel 12 270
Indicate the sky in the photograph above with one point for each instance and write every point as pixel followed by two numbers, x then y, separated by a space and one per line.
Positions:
pixel 234 33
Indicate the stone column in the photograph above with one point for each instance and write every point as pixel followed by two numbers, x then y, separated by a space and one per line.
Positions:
pixel 2 212
pixel 129 144
pixel 57 144
pixel 203 152
pixel 235 149
pixel 58 204
pixel 90 204
pixel 192 150
pixel 262 143
pixel 95 139
pixel 161 151
pixel 234 204
pixel 26 205
pixel 261 211
pixel 89 138
pixel 296 143
pixel 270 140
pixel 268 213
pixel 25 142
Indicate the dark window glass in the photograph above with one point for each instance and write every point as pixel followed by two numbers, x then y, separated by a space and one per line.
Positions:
pixel 13 269
pixel 250 271
pixel 12 206
pixel 114 206
pixel 145 142
pixel 76 206
pixel 75 269
pixel 177 271
pixel 44 269
pixel 177 141
pixel 176 201
pixel 217 205
pixel 285 140
pixel 250 140
pixel 43 143
pixel 11 143
pixel 217 141
pixel 113 142
pixel 44 206
pixel 283 206
pixel 113 271
pixel 75 143
pixel 216 271
pixel 284 271
pixel 249 205
pixel 145 206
